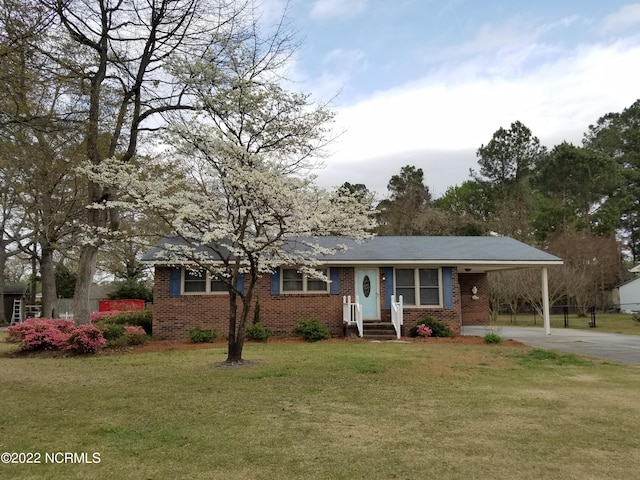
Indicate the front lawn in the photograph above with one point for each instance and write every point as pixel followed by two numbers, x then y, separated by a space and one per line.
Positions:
pixel 329 410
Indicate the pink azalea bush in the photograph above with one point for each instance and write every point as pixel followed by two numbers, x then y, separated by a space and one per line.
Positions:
pixel 55 334
pixel 424 331
pixel 135 335
pixel 86 339
pixel 41 334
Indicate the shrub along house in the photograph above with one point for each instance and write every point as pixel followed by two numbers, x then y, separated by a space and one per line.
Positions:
pixel 383 282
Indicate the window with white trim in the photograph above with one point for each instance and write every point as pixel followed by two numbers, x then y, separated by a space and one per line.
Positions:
pixel 294 281
pixel 418 286
pixel 201 281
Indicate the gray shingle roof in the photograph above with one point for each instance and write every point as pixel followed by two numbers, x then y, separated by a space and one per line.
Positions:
pixel 15 289
pixel 444 249
pixel 490 250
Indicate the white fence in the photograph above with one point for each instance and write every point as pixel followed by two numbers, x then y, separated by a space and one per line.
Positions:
pixel 352 313
pixel 397 314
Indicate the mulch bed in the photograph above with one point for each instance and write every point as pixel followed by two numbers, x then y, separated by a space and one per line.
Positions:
pixel 163 345
pixel 167 345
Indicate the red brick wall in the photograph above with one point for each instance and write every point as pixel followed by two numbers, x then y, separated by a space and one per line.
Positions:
pixel 173 317
pixel 450 317
pixel 474 311
pixel 282 312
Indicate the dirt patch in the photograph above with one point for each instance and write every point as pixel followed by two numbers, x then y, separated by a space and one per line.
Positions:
pixel 244 363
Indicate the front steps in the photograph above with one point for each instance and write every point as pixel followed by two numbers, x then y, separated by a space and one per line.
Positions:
pixel 374 331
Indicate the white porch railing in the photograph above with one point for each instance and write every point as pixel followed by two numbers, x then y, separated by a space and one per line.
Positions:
pixel 397 314
pixel 352 313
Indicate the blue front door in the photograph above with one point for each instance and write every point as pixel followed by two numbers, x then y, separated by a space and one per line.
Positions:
pixel 367 289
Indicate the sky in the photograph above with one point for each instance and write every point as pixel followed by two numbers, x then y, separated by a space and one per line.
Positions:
pixel 426 83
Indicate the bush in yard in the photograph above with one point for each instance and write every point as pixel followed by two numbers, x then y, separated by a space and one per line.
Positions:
pixel 311 330
pixel 198 335
pixel 257 332
pixel 99 316
pixel 135 335
pixel 492 338
pixel 118 335
pixel 54 334
pixel 110 331
pixel 438 329
pixel 635 317
pixel 141 318
pixel 86 339
pixel 131 335
pixel 423 331
pixel 41 334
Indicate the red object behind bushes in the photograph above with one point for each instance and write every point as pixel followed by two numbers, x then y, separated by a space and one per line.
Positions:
pixel 128 305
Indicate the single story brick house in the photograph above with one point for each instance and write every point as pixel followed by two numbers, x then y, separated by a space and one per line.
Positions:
pixel 443 277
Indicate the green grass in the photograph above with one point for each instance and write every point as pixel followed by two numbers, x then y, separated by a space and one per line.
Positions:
pixel 605 322
pixel 349 410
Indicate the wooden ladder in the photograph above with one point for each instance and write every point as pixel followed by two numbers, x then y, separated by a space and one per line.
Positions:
pixel 16 316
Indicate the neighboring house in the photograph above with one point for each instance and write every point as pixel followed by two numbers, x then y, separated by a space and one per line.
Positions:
pixel 443 277
pixel 635 269
pixel 14 302
pixel 629 295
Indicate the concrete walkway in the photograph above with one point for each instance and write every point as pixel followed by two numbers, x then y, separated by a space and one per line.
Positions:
pixel 589 343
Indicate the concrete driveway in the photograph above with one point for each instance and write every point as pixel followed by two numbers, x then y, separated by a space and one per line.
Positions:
pixel 590 343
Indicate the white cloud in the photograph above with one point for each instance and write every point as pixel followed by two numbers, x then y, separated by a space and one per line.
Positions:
pixel 324 9
pixel 271 11
pixel 515 35
pixel 338 68
pixel 622 20
pixel 442 119
pixel 345 59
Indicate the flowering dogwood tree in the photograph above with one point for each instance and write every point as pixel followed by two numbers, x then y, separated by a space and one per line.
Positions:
pixel 241 195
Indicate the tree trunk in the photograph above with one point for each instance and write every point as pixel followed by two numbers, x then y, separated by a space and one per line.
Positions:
pixel 86 269
pixel 237 326
pixel 33 282
pixel 3 262
pixel 47 273
pixel 235 351
pixel 236 334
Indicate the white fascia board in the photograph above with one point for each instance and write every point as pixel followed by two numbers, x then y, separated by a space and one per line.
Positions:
pixel 459 263
pixel 462 263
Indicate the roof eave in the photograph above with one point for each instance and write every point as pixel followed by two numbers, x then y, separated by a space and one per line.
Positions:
pixel 495 264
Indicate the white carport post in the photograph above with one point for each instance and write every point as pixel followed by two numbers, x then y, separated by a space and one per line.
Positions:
pixel 545 301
